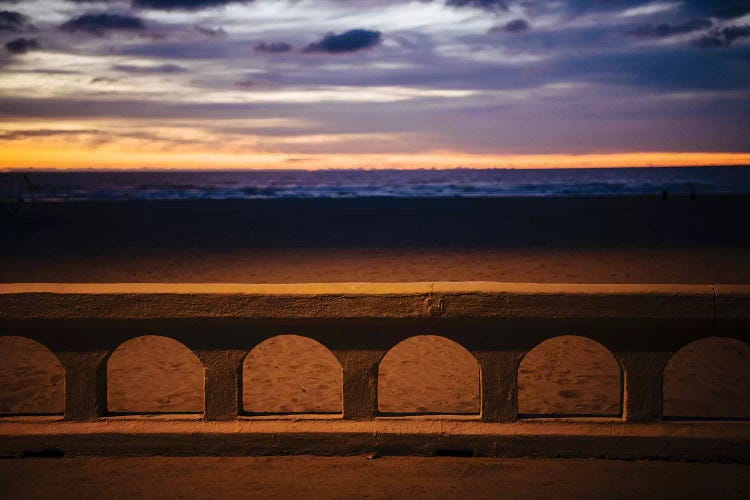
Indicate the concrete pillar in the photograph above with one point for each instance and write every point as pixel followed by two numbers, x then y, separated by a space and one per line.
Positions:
pixel 643 372
pixel 360 383
pixel 223 386
pixel 499 384
pixel 85 384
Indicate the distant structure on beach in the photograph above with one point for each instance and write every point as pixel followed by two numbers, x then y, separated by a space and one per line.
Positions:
pixel 15 190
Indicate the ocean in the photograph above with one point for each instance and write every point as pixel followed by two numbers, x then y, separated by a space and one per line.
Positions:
pixel 60 186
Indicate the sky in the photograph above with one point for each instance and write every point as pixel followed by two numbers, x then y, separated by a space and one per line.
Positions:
pixel 373 83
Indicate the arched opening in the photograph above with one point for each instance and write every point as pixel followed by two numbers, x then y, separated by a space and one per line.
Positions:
pixel 428 374
pixel 32 379
pixel 291 374
pixel 153 374
pixel 569 375
pixel 708 378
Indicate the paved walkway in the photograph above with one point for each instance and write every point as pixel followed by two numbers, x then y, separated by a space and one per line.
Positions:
pixel 358 477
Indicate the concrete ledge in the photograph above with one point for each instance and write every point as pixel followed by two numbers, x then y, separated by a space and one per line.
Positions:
pixel 732 309
pixel 358 300
pixel 574 301
pixel 703 441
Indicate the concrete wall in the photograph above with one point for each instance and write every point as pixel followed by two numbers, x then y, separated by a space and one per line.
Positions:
pixel 642 325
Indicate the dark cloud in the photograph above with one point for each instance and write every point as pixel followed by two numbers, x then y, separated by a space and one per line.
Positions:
pixel 167 69
pixel 245 84
pixel 666 30
pixel 254 84
pixel 572 8
pixel 28 134
pixel 185 50
pixel 349 41
pixel 723 37
pixel 212 32
pixel 101 24
pixel 273 47
pixel 183 4
pixel 13 21
pixel 101 79
pixel 514 26
pixel 491 5
pixel 733 11
pixel 53 72
pixel 22 45
pixel 733 33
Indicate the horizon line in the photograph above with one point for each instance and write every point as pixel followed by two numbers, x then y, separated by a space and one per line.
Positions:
pixel 6 170
pixel 432 160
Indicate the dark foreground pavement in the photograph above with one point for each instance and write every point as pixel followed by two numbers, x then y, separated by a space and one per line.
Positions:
pixel 358 477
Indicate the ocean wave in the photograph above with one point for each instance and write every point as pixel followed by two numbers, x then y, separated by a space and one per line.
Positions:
pixel 183 185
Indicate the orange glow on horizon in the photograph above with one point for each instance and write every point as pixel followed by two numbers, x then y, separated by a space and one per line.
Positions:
pixel 67 158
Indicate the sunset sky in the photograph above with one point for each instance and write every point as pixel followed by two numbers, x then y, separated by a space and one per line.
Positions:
pixel 373 83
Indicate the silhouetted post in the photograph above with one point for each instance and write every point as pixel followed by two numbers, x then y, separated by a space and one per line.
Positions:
pixel 360 382
pixel 223 386
pixel 85 384
pixel 642 388
pixel 30 188
pixel 499 384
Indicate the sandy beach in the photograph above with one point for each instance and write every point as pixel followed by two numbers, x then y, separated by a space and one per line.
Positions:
pixel 356 477
pixel 548 240
pixel 580 240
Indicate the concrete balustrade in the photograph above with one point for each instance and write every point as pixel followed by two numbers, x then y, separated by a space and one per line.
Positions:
pixel 642 325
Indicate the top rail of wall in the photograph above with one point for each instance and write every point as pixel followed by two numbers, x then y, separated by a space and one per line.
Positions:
pixel 616 313
pixel 373 300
